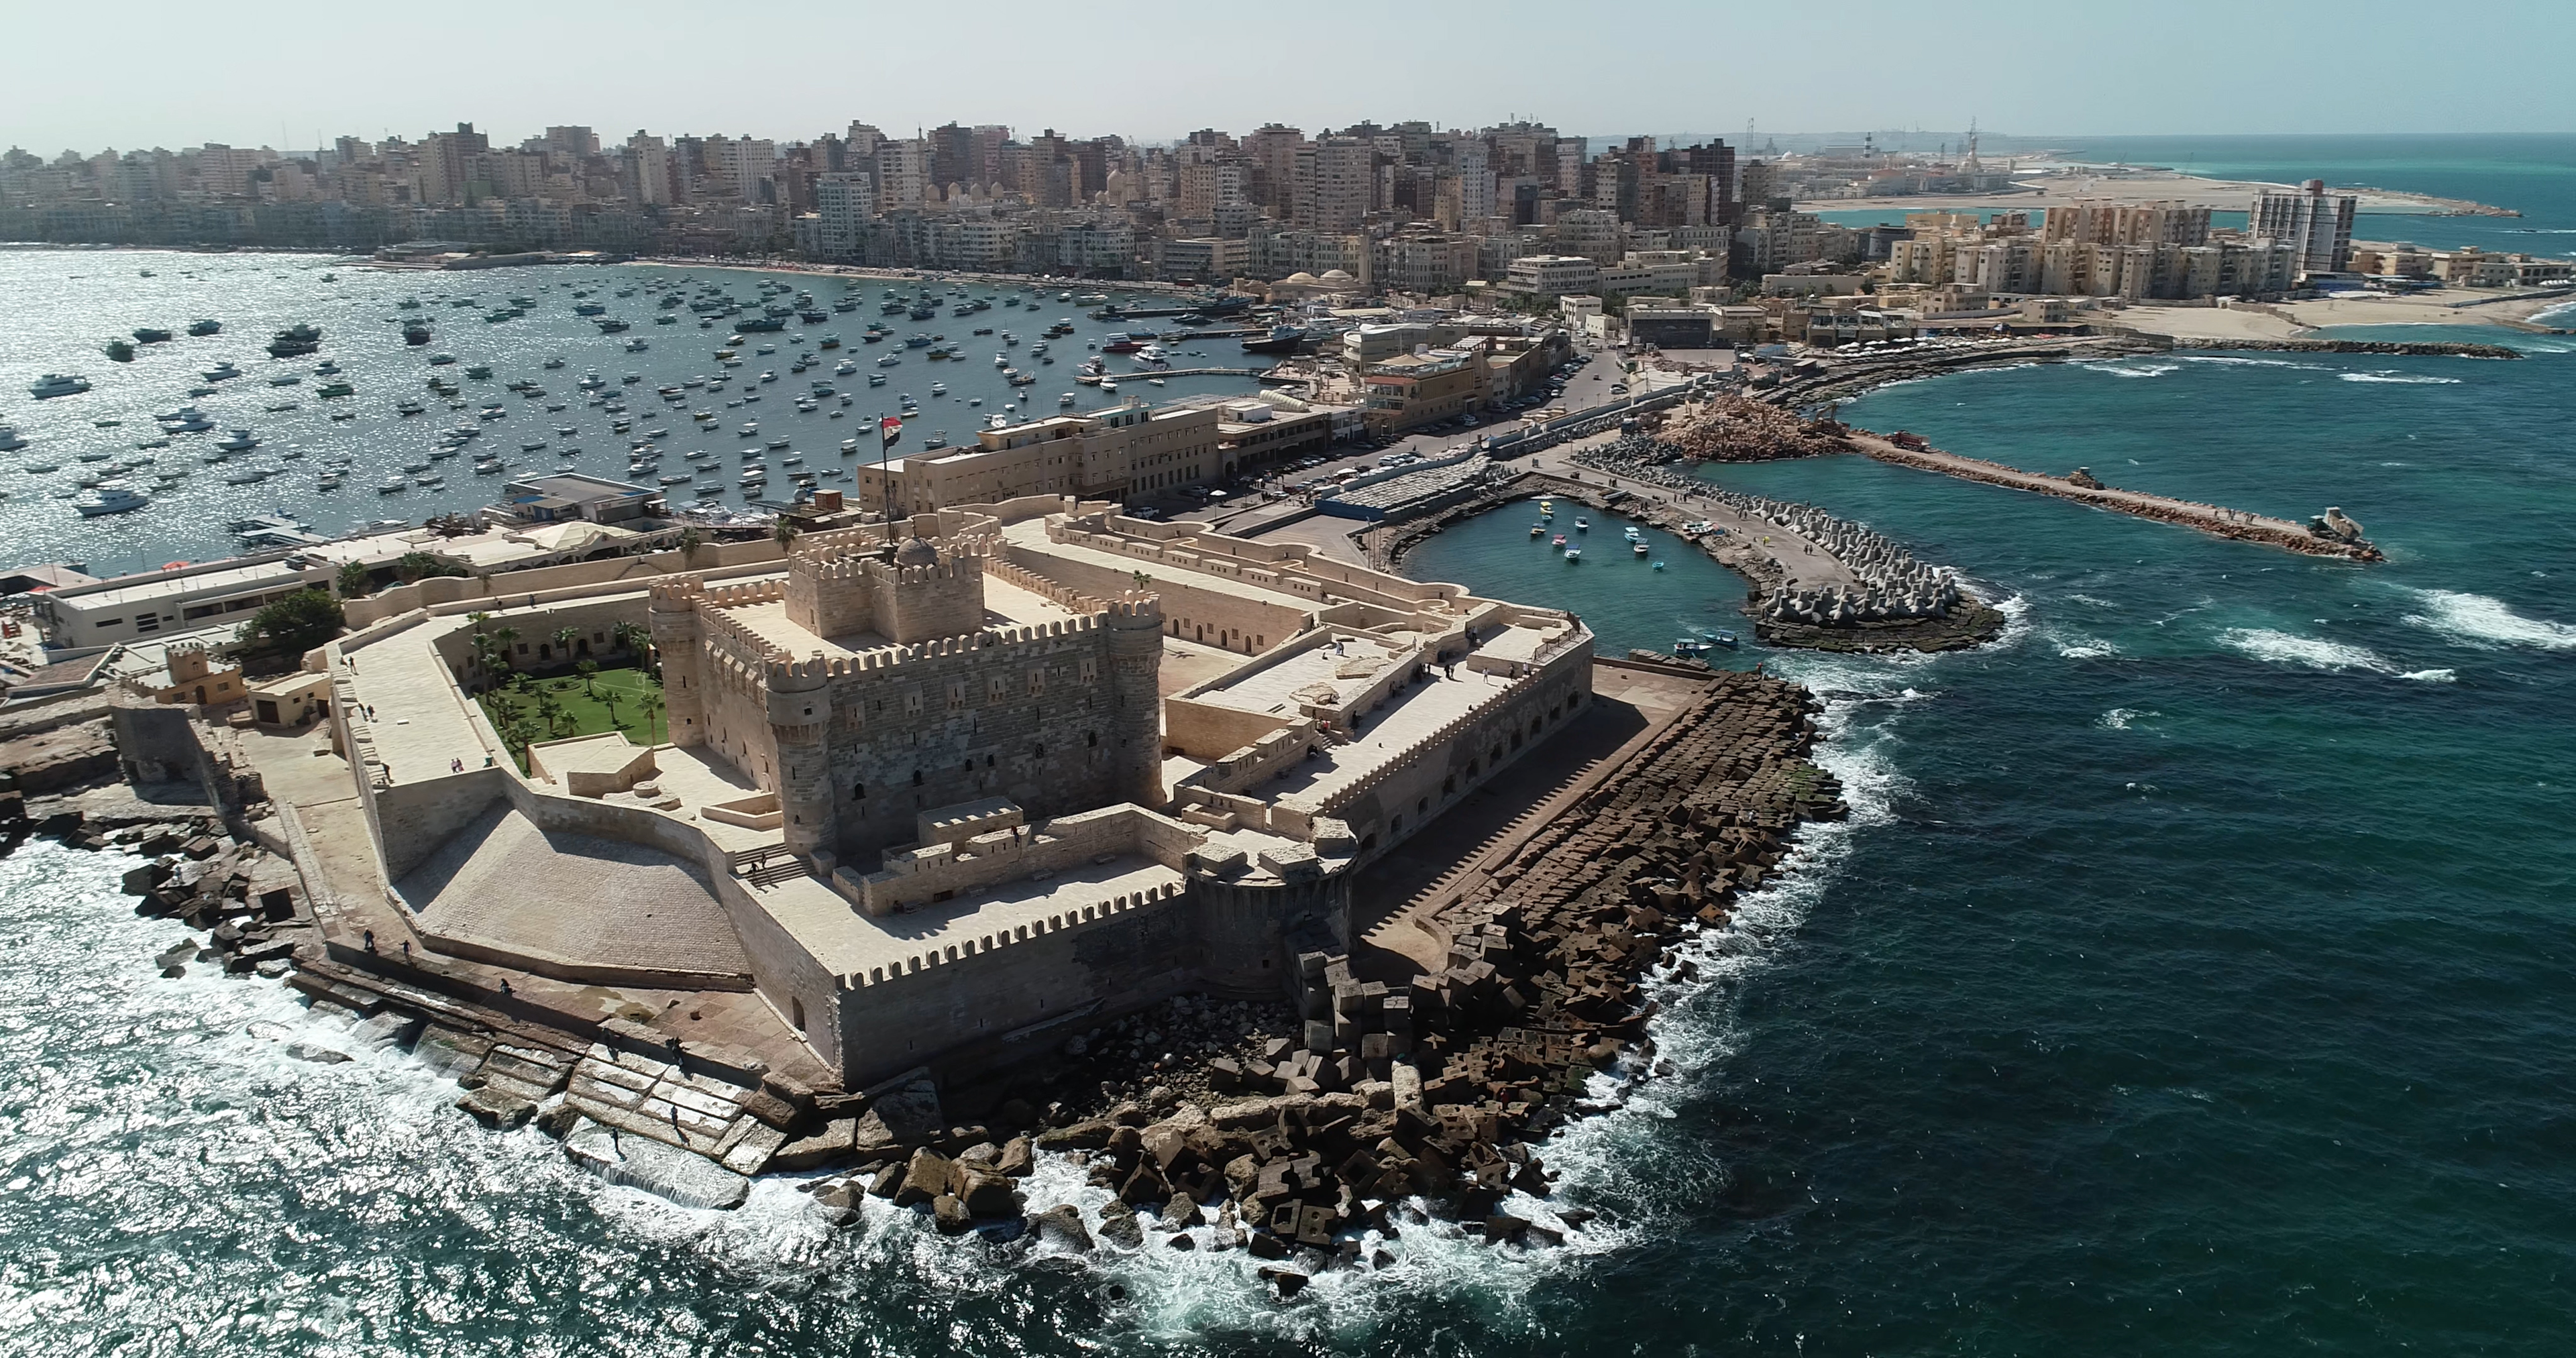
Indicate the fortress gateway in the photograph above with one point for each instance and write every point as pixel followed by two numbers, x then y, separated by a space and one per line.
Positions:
pixel 939 791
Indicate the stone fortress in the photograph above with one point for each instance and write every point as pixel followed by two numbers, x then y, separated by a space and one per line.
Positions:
pixel 945 791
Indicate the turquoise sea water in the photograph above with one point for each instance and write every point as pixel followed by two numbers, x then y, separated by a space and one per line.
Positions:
pixel 2535 175
pixel 2193 976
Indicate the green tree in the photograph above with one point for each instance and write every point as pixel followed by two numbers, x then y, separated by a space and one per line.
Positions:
pixel 689 540
pixel 564 639
pixel 588 670
pixel 354 581
pixel 784 534
pixel 295 624
pixel 651 702
pixel 550 712
pixel 411 566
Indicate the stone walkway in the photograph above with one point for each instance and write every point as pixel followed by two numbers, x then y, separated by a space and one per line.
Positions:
pixel 1449 859
pixel 555 899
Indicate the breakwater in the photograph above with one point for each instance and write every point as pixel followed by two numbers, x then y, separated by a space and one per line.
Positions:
pixel 2387 348
pixel 2316 539
pixel 1435 1087
pixel 1799 596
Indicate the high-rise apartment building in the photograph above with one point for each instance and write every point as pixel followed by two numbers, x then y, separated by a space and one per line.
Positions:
pixel 648 169
pixel 2318 229
pixel 1336 180
pixel 903 172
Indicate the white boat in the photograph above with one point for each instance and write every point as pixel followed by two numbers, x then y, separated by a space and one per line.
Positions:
pixel 10 442
pixel 57 384
pixel 186 420
pixel 238 441
pixel 1067 399
pixel 221 372
pixel 110 497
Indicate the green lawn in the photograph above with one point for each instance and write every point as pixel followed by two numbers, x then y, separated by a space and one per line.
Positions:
pixel 611 701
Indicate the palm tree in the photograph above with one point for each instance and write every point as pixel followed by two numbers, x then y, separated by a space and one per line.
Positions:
pixel 550 712
pixel 652 705
pixel 629 637
pixel 784 534
pixel 689 541
pixel 564 639
pixel 588 670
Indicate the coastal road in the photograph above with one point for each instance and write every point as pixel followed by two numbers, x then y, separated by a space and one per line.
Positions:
pixel 1587 388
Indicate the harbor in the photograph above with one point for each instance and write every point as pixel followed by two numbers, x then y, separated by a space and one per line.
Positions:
pixel 418 395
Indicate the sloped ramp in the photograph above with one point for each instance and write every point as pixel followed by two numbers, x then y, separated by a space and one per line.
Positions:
pixel 574 907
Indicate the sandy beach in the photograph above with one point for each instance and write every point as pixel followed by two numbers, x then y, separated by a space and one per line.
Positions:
pixel 2064 185
pixel 2292 320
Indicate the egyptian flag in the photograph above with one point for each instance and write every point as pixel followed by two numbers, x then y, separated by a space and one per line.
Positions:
pixel 888 430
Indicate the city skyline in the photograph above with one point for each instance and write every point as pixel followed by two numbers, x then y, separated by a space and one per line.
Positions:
pixel 323 73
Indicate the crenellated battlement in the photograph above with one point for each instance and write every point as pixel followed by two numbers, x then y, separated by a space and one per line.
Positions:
pixel 744 594
pixel 731 639
pixel 676 592
pixel 1020 577
pixel 1136 606
pixel 1166 895
pixel 780 668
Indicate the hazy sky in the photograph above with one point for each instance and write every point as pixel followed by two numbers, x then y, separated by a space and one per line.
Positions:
pixel 148 73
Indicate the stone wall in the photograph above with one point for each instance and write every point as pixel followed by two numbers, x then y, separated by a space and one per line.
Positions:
pixel 924 873
pixel 594 619
pixel 1009 991
pixel 512 588
pixel 412 817
pixel 1190 611
pixel 1453 762
pixel 1028 714
pixel 1210 731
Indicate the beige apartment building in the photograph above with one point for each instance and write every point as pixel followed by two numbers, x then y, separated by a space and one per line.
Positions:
pixel 1112 454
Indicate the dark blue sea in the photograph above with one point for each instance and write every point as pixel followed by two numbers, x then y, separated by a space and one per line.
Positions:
pixel 2193 976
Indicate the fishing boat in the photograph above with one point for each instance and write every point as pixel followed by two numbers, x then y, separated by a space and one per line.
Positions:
pixel 110 497
pixel 1573 556
pixel 1559 541
pixel 295 341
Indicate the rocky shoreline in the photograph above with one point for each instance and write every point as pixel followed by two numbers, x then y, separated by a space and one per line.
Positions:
pixel 1971 622
pixel 1312 1150
pixel 1289 1129
pixel 2392 348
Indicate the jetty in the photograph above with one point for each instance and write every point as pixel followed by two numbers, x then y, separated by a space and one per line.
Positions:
pixel 1907 450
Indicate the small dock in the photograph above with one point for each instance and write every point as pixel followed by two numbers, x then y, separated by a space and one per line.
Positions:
pixel 2213 519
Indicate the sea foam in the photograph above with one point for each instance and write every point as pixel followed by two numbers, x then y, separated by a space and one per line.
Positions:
pixel 2476 620
pixel 2288 648
pixel 2401 379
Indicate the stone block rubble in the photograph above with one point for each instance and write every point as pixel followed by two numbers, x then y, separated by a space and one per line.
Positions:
pixel 1895 586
